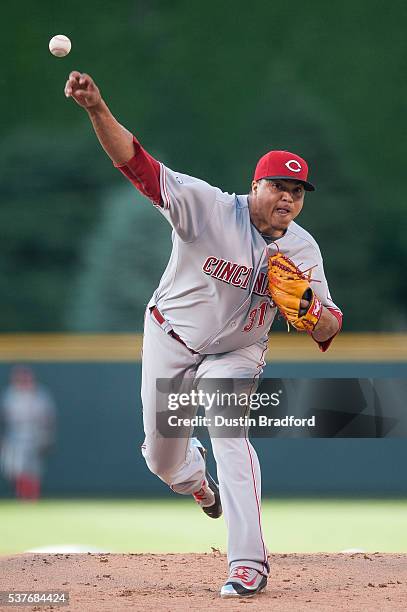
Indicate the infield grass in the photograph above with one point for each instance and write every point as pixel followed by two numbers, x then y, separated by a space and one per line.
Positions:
pixel 177 525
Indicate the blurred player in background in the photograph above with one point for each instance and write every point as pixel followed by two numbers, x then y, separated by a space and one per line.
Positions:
pixel 28 425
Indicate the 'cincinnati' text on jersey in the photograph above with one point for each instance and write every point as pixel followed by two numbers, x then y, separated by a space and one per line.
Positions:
pixel 235 274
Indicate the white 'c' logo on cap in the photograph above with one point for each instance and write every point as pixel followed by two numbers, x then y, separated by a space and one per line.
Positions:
pixel 293 165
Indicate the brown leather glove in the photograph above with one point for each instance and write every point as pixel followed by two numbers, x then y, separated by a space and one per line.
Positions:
pixel 288 286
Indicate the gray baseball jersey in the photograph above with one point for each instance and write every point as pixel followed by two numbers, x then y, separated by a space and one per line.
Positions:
pixel 213 292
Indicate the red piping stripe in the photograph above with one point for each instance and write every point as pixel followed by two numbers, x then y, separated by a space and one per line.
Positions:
pixel 257 502
pixel 167 197
pixel 262 363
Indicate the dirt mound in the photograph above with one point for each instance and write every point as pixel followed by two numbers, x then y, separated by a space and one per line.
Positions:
pixel 110 582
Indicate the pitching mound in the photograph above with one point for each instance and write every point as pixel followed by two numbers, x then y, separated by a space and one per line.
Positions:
pixel 191 581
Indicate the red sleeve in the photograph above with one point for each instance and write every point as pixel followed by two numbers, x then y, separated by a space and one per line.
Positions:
pixel 324 346
pixel 144 172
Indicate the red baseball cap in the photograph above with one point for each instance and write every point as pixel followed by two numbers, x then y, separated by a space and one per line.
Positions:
pixel 283 165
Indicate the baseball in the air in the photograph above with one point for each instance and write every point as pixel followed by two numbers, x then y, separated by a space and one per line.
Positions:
pixel 60 45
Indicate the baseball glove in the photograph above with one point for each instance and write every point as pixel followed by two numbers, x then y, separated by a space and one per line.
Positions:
pixel 288 286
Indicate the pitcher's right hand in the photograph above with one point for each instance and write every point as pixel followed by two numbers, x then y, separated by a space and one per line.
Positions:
pixel 82 88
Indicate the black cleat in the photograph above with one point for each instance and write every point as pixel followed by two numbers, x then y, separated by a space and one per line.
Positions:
pixel 215 510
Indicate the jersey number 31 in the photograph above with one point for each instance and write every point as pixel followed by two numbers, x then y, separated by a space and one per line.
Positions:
pixel 262 309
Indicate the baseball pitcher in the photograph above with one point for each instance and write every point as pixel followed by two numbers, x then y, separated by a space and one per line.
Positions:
pixel 236 260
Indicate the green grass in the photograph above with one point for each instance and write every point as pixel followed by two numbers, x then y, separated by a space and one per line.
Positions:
pixel 179 526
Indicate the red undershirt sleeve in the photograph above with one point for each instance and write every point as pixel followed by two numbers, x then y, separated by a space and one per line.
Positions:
pixel 324 346
pixel 144 172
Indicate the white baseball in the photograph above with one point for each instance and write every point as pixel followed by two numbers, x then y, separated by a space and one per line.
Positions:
pixel 60 45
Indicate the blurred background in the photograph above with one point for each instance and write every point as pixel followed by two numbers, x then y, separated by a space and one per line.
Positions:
pixel 207 88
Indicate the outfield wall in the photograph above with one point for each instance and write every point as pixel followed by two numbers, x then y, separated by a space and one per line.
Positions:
pixel 100 427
